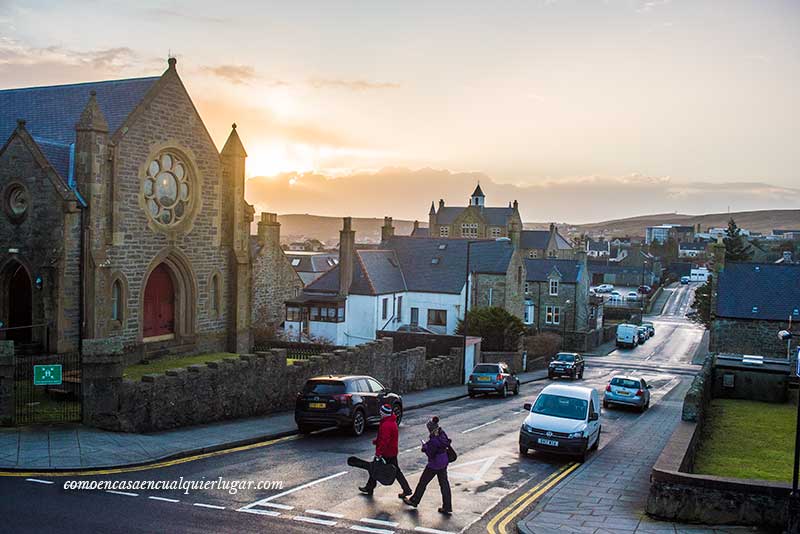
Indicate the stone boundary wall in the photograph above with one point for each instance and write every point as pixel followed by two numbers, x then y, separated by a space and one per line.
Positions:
pixel 252 384
pixel 677 494
pixel 749 337
pixel 434 344
pixel 513 359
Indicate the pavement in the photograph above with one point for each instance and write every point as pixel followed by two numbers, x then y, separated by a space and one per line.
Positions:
pixel 78 447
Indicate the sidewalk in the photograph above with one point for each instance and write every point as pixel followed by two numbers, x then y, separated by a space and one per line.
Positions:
pixel 72 447
pixel 607 494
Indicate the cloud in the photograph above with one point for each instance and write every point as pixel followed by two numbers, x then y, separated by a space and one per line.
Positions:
pixel 352 85
pixel 184 14
pixel 237 74
pixel 15 53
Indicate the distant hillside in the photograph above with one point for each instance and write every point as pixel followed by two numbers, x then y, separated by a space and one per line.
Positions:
pixel 295 226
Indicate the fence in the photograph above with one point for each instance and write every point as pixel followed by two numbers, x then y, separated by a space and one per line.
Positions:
pixel 47 389
pixel 296 351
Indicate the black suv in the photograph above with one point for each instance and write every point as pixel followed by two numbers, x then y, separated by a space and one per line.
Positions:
pixel 349 402
pixel 566 364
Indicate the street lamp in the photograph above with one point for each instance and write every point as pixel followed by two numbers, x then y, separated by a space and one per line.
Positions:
pixel 642 293
pixel 794 497
pixel 463 361
pixel 564 323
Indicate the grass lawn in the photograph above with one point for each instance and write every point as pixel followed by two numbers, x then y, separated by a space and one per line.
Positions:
pixel 748 439
pixel 136 372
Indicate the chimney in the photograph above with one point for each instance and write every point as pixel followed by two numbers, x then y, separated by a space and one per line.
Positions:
pixel 514 234
pixel 387 230
pixel 416 226
pixel 516 205
pixel 441 203
pixel 269 230
pixel 347 243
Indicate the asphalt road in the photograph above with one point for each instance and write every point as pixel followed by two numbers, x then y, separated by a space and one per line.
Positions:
pixel 318 491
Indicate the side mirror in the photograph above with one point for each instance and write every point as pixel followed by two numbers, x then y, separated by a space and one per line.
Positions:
pixel 526 406
pixel 594 416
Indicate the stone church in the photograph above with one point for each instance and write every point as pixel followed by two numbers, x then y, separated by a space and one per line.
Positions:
pixel 123 221
pixel 476 221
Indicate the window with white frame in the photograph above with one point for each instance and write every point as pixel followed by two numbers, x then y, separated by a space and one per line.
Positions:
pixel 554 288
pixel 385 308
pixel 527 287
pixel 529 312
pixel 532 254
pixel 469 230
pixel 444 231
pixel 497 231
pixel 552 254
pixel 552 315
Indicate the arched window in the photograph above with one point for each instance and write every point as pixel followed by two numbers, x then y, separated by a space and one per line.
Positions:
pixel 116 301
pixel 213 297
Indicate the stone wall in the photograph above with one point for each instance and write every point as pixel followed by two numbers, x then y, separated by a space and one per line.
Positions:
pixel 749 337
pixel 434 344
pixel 255 384
pixel 766 383
pixel 698 398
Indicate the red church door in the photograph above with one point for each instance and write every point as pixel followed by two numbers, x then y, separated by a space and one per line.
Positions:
pixel 159 304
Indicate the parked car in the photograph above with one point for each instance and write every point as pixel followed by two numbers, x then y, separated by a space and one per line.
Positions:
pixel 685 280
pixel 627 335
pixel 632 296
pixel 569 364
pixel 347 402
pixel 616 294
pixel 651 328
pixel 492 378
pixel 643 333
pixel 645 290
pixel 563 420
pixel 604 288
pixel 628 391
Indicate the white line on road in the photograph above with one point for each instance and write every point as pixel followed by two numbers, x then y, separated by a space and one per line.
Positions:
pixel 379 522
pixel 123 493
pixel 277 505
pixel 325 514
pixel 371 530
pixel 479 426
pixel 39 481
pixel 270 513
pixel 162 499
pixel 432 530
pixel 212 506
pixel 314 520
pixel 263 502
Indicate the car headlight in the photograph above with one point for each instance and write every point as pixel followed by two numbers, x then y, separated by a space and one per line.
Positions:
pixel 527 428
pixel 576 435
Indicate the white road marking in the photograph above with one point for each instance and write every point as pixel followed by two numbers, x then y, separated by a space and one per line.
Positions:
pixel 213 506
pixel 432 530
pixel 467 431
pixel 371 530
pixel 314 520
pixel 270 513
pixel 123 493
pixel 263 502
pixel 162 499
pixel 277 505
pixel 379 522
pixel 453 470
pixel 39 481
pixel 325 514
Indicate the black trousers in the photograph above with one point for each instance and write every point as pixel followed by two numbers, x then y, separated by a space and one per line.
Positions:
pixel 444 485
pixel 400 478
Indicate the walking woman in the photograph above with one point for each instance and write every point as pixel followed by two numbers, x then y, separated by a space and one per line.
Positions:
pixel 436 450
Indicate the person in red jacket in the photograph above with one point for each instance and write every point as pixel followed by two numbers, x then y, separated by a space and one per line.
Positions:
pixel 386 448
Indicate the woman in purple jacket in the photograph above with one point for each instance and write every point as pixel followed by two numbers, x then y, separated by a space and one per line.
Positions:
pixel 436 450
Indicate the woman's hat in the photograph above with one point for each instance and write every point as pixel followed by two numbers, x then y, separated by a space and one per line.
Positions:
pixel 433 424
pixel 386 410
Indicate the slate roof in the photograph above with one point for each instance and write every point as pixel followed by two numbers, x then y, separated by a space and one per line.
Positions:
pixel 766 291
pixel 51 112
pixel 406 263
pixel 539 269
pixel 599 246
pixel 538 239
pixel 493 216
pixel 312 263
pixel 478 192
pixel 420 232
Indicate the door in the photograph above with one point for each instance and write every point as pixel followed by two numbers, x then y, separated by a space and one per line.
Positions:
pixel 370 399
pixel 159 304
pixel 20 309
pixel 414 316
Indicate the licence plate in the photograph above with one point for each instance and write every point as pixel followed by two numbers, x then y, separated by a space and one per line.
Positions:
pixel 550 442
pixel 317 405
pixel 622 393
pixel 484 378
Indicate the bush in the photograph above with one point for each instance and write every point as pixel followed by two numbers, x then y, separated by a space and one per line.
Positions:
pixel 543 345
pixel 500 330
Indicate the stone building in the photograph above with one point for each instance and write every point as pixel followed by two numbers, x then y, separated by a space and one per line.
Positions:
pixel 550 243
pixel 475 221
pixel 122 220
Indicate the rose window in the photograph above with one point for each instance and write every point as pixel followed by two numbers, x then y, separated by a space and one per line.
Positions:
pixel 16 202
pixel 167 188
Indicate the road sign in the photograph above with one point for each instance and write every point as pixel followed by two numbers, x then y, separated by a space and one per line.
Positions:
pixel 47 375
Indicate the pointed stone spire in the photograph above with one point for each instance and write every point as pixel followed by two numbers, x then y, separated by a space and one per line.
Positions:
pixel 92 118
pixel 433 209
pixel 233 146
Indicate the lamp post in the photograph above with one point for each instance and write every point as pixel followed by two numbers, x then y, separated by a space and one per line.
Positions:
pixel 564 323
pixel 463 362
pixel 794 497
pixel 642 294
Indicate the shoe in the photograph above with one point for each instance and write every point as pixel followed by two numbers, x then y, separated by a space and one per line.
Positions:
pixel 445 512
pixel 401 495
pixel 409 501
pixel 365 490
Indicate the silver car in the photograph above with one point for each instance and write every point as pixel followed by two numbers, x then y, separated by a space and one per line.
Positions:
pixel 629 391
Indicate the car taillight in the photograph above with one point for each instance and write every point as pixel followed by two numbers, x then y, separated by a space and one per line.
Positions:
pixel 344 398
pixel 639 392
pixel 608 387
pixel 472 378
pixel 499 378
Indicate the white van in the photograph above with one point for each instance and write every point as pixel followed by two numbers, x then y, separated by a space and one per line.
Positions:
pixel 627 335
pixel 563 420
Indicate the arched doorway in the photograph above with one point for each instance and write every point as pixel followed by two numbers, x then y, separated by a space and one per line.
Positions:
pixel 19 303
pixel 158 319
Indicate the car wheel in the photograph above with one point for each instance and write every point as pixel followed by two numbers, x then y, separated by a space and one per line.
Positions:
pixel 523 450
pixel 504 393
pixel 397 410
pixel 549 376
pixel 304 429
pixel 581 376
pixel 359 423
pixel 516 388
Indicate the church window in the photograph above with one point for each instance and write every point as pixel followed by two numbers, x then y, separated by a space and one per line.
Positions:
pixel 16 202
pixel 469 230
pixel 116 301
pixel 497 232
pixel 168 189
pixel 213 304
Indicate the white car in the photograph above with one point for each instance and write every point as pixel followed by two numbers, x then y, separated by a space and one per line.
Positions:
pixel 632 296
pixel 604 288
pixel 563 420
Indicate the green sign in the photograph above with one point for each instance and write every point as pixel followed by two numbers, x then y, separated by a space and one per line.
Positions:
pixel 46 375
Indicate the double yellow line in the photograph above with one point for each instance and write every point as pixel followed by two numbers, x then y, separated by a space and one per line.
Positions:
pixel 499 522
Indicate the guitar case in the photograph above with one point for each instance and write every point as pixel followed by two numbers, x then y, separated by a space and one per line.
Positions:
pixel 377 468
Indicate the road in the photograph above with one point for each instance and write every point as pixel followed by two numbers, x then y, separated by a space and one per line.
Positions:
pixel 319 491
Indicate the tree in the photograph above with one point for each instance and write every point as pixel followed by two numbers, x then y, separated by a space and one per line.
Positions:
pixel 736 247
pixel 702 304
pixel 499 329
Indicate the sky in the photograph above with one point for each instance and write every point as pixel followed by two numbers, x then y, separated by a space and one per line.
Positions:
pixel 693 102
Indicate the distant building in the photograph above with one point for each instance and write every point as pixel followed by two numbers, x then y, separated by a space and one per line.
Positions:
pixel 786 235
pixel 663 232
pixel 598 248
pixel 691 250
pixel 538 244
pixel 311 265
pixel 475 221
